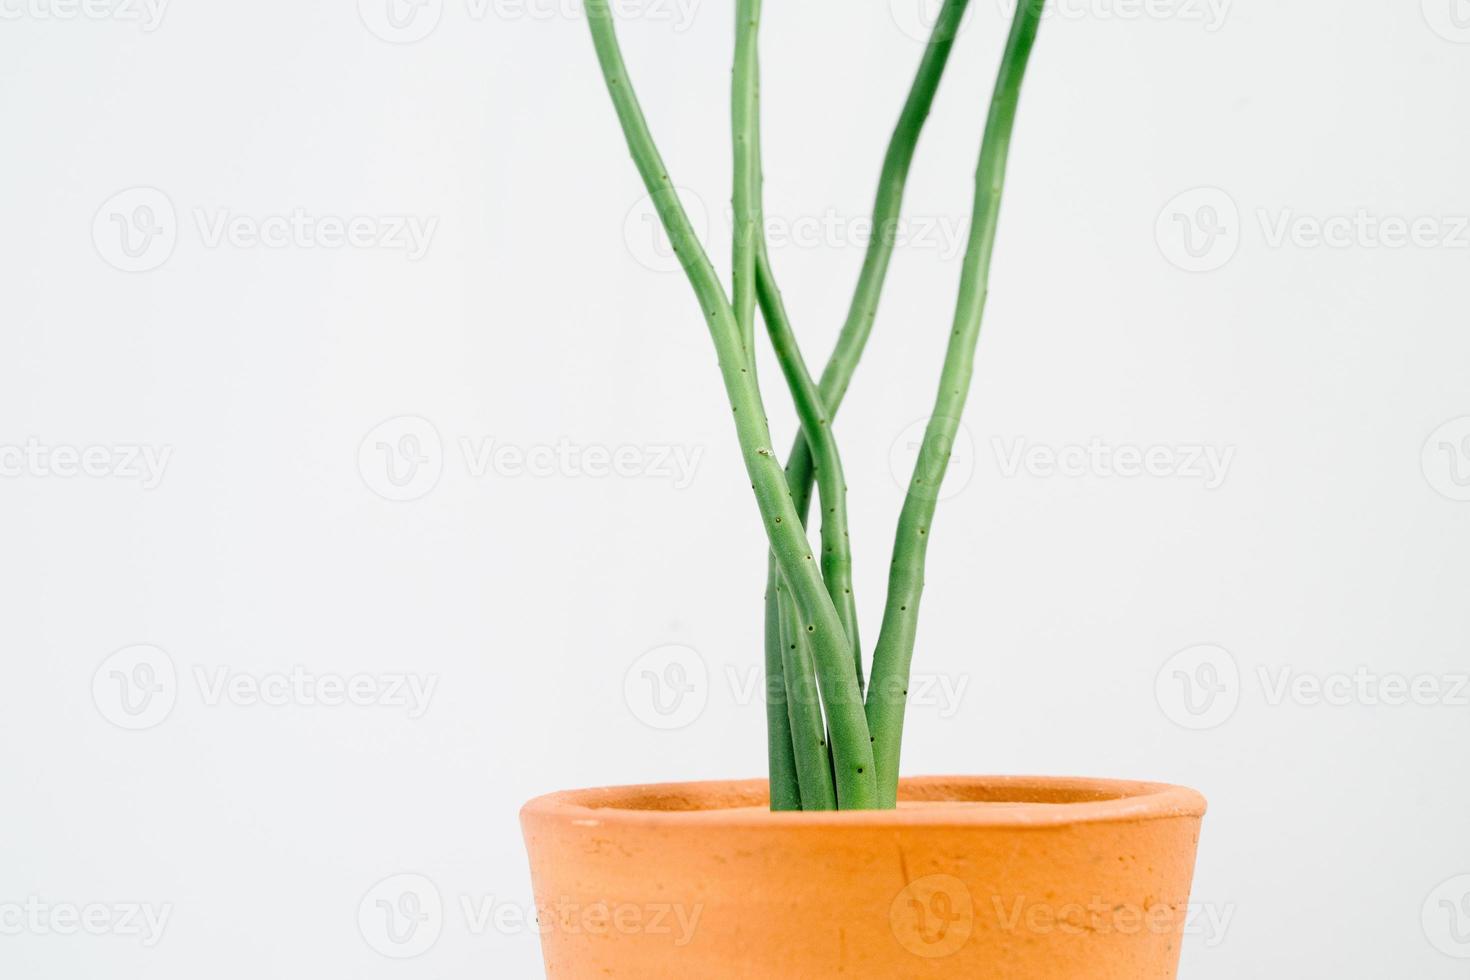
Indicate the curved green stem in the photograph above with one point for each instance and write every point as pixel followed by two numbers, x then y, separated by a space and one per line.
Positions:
pixel 894 653
pixel 817 431
pixel 857 786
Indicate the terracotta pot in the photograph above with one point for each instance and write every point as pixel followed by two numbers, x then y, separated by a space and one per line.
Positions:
pixel 1007 877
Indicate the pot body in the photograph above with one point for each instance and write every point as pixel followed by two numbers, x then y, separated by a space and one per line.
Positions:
pixel 1006 878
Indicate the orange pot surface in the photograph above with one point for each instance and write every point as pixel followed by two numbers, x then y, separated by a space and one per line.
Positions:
pixel 992 878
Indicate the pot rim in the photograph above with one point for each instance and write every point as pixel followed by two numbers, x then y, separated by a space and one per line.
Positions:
pixel 924 801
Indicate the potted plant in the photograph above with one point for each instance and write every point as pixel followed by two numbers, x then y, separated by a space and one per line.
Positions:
pixel 833 866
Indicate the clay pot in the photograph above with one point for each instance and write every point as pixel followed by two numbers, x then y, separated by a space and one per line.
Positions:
pixel 991 877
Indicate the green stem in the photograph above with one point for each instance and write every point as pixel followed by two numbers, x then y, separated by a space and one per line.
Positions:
pixel 817 432
pixel 785 786
pixel 745 122
pixel 857 786
pixel 894 653
pixel 811 750
pixel 808 728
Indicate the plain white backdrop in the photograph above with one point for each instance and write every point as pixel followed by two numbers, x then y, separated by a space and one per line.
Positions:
pixel 366 473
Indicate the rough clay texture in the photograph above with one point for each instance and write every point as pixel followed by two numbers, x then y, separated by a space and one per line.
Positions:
pixel 1010 878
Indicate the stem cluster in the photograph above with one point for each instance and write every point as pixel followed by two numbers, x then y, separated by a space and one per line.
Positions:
pixel 834 742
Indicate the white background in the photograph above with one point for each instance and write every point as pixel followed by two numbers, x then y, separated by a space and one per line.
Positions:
pixel 535 318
